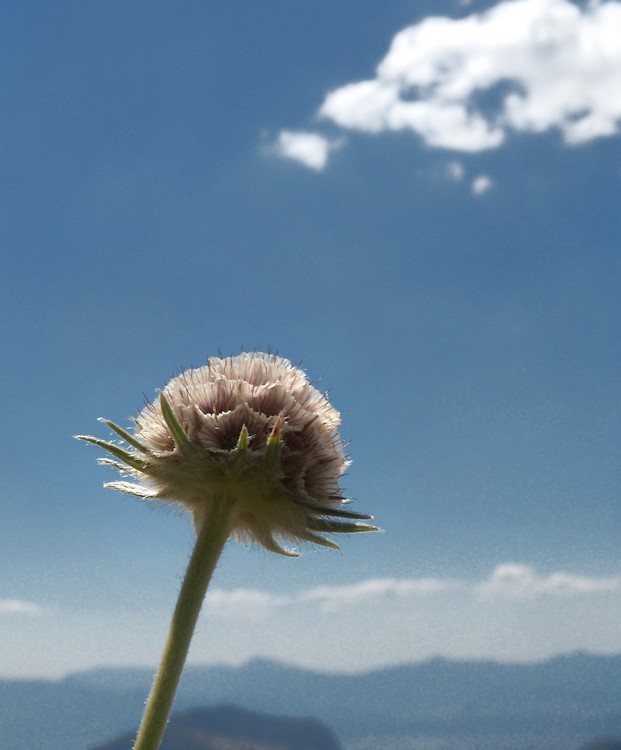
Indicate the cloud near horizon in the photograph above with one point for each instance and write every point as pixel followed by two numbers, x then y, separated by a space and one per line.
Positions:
pixel 508 581
pixel 332 598
pixel 513 581
pixel 19 607
pixel 523 66
pixel 256 604
pixel 514 613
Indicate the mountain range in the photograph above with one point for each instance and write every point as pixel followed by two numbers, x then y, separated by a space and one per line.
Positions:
pixel 561 704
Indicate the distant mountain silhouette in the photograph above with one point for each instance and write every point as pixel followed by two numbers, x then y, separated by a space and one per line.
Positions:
pixel 233 728
pixel 560 704
pixel 609 744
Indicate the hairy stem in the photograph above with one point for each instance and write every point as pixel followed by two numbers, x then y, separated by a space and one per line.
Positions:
pixel 210 541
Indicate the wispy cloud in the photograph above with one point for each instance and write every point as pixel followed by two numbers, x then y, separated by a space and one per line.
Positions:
pixel 507 581
pixel 455 170
pixel 464 84
pixel 481 184
pixel 310 149
pixel 336 597
pixel 514 581
pixel 250 603
pixel 256 604
pixel 19 607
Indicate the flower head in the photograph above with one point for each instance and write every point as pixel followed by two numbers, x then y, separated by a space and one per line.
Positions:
pixel 252 431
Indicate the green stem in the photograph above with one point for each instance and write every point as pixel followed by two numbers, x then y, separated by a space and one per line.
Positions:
pixel 210 541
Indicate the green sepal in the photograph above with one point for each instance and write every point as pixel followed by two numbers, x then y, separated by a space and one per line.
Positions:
pixel 114 464
pixel 182 441
pixel 131 489
pixel 339 527
pixel 308 536
pixel 242 441
pixel 129 439
pixel 117 452
pixel 272 447
pixel 326 510
pixel 268 541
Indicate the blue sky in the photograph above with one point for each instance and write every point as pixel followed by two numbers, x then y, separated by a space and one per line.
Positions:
pixel 419 201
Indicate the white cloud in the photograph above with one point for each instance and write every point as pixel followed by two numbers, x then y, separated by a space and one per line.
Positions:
pixel 507 581
pixel 248 603
pixel 256 604
pixel 455 170
pixel 482 184
pixel 546 63
pixel 336 597
pixel 514 613
pixel 310 149
pixel 18 607
pixel 514 581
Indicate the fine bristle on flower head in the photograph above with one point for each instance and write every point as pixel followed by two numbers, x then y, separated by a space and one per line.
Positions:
pixel 250 430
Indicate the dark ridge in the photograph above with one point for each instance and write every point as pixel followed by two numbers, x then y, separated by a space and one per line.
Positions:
pixel 206 728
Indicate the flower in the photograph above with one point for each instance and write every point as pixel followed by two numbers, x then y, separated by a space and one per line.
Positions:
pixel 248 429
